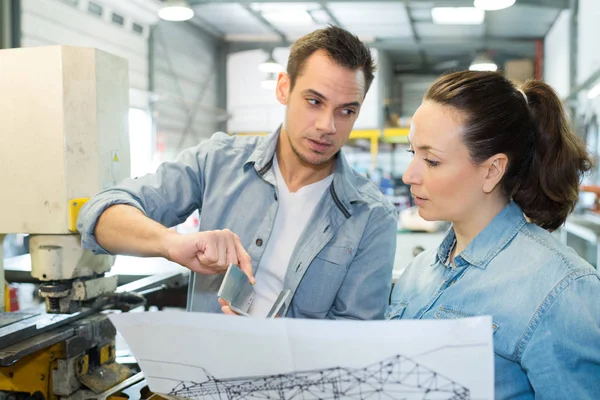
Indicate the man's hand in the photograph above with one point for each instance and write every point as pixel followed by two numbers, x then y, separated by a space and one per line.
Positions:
pixel 209 252
pixel 225 307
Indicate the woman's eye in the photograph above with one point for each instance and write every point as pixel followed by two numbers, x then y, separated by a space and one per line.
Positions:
pixel 431 163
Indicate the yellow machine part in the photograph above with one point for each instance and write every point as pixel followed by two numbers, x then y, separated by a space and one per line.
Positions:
pixel 32 373
pixel 107 353
pixel 74 208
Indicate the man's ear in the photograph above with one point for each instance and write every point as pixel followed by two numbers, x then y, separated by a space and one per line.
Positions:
pixel 282 91
pixel 494 169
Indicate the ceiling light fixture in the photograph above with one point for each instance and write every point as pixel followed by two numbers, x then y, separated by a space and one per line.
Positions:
pixel 483 63
pixel 270 65
pixel 493 5
pixel 176 11
pixel 457 16
pixel 594 92
pixel 270 83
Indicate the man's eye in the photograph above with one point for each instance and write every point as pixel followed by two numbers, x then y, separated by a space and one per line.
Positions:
pixel 411 151
pixel 348 111
pixel 314 102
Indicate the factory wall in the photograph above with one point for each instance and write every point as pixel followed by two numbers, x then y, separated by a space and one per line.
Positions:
pixel 186 68
pixel 556 54
pixel 90 24
pixel 173 68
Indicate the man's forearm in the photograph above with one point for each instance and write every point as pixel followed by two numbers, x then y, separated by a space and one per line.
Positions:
pixel 123 229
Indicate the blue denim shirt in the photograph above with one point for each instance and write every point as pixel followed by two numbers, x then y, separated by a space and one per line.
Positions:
pixel 342 264
pixel 543 298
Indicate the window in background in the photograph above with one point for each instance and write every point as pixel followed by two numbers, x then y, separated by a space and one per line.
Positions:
pixel 95 9
pixel 140 142
pixel 73 3
pixel 137 28
pixel 118 19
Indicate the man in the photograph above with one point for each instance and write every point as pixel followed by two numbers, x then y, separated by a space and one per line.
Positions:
pixel 286 205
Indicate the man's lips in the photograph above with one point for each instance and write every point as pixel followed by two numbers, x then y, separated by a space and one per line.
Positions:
pixel 318 145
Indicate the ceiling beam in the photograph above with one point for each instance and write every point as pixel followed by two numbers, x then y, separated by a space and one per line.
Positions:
pixel 265 22
pixel 204 26
pixel 416 36
pixel 562 4
pixel 397 44
pixel 330 14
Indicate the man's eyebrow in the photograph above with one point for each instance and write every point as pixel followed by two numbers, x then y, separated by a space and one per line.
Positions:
pixel 322 97
pixel 315 93
pixel 351 104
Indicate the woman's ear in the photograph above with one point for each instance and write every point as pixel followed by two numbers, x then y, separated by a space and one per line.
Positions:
pixel 494 168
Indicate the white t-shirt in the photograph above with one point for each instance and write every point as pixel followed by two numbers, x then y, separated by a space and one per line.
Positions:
pixel 293 213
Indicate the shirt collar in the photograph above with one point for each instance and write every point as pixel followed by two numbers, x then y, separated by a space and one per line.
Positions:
pixel 344 179
pixel 488 243
pixel 262 156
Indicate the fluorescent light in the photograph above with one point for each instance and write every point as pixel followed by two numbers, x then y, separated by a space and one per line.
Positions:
pixel 457 16
pixel 483 63
pixel 281 13
pixel 483 67
pixel 296 17
pixel 492 5
pixel 176 11
pixel 594 92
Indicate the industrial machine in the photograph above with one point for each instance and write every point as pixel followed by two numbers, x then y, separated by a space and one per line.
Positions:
pixel 64 137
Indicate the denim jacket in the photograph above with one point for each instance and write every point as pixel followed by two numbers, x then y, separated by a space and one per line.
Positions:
pixel 342 264
pixel 543 298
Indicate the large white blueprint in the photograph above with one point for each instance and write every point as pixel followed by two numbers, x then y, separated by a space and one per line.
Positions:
pixel 214 356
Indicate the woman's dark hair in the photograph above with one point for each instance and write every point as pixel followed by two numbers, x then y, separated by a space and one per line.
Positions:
pixel 546 160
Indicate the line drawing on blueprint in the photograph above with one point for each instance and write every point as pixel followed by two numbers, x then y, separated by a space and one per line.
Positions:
pixel 396 377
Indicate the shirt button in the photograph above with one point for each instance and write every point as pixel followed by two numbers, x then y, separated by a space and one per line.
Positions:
pixel 259 242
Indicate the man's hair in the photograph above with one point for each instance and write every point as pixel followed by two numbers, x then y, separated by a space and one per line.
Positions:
pixel 344 48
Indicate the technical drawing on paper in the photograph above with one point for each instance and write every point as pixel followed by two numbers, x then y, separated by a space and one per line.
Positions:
pixel 206 356
pixel 397 377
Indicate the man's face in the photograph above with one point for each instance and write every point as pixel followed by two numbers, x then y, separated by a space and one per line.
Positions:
pixel 321 108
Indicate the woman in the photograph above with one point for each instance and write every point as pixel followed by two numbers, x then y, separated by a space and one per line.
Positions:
pixel 501 165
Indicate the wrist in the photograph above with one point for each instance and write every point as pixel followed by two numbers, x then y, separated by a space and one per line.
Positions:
pixel 166 243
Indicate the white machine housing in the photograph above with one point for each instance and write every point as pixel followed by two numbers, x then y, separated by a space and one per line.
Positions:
pixel 64 135
pixel 64 129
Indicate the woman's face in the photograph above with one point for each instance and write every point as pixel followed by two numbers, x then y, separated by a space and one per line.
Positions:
pixel 446 184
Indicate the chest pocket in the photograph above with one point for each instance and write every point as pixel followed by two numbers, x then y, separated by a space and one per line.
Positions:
pixel 396 311
pixel 317 291
pixel 445 312
pixel 338 255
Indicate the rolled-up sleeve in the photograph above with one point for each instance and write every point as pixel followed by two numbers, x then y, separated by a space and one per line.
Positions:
pixel 167 196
